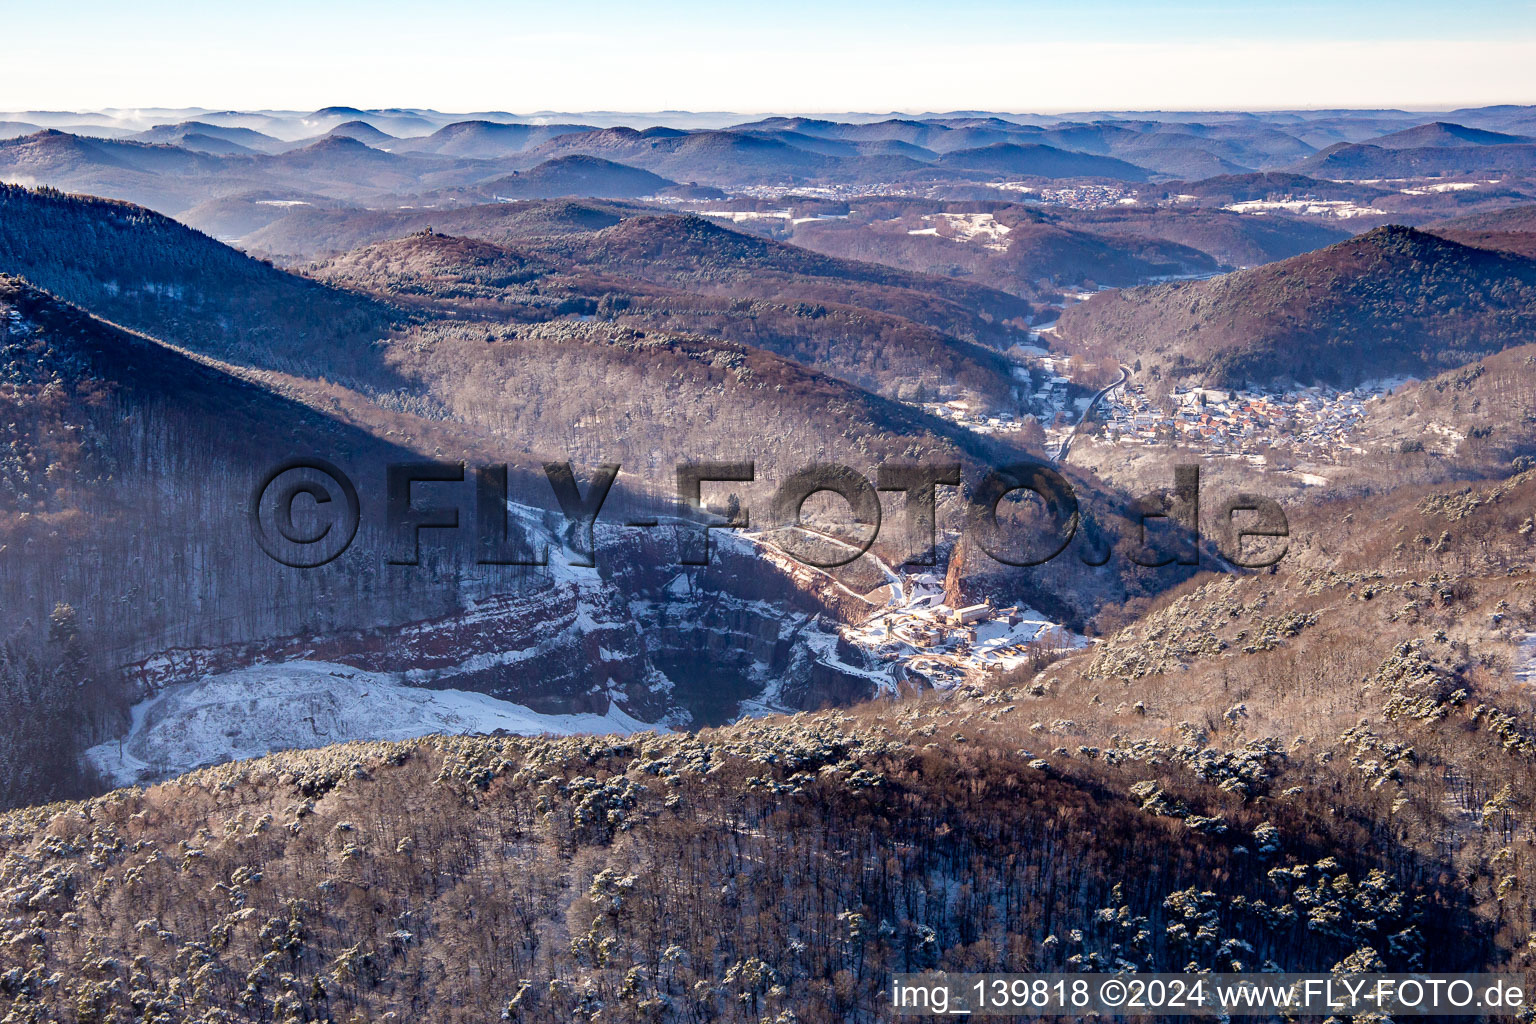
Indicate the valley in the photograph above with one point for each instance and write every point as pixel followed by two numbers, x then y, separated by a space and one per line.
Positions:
pixel 586 719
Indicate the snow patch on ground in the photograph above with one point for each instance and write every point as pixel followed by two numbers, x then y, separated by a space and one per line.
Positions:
pixel 1525 660
pixel 742 216
pixel 981 228
pixel 299 704
pixel 1444 186
pixel 1313 207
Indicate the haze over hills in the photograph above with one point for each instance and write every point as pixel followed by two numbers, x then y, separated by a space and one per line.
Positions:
pixel 1360 160
pixel 1087 200
pixel 1032 159
pixel 361 131
pixel 485 139
pixel 1444 133
pixel 460 151
pixel 578 176
pixel 240 139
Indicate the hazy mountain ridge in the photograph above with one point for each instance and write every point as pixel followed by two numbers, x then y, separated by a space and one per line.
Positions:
pixel 423 159
pixel 1445 133
pixel 1034 159
pixel 577 176
pixel 1359 160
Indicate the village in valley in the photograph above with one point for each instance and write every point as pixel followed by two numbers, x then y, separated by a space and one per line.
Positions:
pixel 942 645
pixel 1318 421
pixel 1052 395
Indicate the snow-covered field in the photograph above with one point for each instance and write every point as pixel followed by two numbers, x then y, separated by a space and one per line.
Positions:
pixel 1443 186
pixel 297 704
pixel 1314 207
pixel 981 228
pixel 742 216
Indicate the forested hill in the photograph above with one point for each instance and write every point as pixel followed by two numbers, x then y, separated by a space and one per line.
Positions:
pixel 1512 229
pixel 126 471
pixel 153 274
pixel 763 872
pixel 578 175
pixel 694 253
pixel 1392 301
pixel 889 355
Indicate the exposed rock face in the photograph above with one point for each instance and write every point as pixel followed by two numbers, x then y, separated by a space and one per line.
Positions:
pixel 954 577
pixel 819 681
pixel 672 644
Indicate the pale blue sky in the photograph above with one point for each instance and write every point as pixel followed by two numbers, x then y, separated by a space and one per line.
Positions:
pixel 463 55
